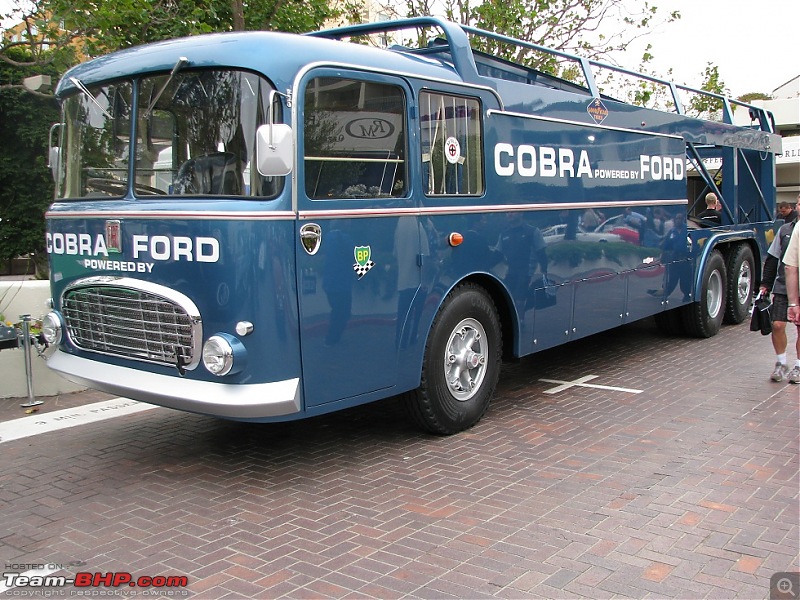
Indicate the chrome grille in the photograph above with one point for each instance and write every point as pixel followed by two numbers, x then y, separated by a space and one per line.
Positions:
pixel 132 319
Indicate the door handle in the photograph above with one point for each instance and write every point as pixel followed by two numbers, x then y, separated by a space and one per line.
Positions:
pixel 311 238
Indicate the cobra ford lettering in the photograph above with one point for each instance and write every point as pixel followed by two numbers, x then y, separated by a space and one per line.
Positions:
pixel 263 226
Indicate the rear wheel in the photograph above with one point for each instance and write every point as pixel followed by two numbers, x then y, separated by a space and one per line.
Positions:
pixel 461 364
pixel 740 270
pixel 704 318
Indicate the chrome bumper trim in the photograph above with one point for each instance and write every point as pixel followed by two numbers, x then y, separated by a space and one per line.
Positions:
pixel 232 401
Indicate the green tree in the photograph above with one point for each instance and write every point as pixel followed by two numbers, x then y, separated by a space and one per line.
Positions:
pixel 707 106
pixel 35 46
pixel 642 91
pixel 101 26
pixel 590 28
pixel 109 25
pixel 750 96
pixel 26 184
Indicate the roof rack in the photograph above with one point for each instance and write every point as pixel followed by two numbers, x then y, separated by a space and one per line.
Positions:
pixel 463 58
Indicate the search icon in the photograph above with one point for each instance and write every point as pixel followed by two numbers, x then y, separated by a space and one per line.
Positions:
pixel 784 586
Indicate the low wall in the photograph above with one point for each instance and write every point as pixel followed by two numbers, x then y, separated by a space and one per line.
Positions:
pixel 27 297
pixel 17 266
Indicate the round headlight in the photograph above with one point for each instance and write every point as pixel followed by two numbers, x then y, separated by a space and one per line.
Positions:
pixel 218 355
pixel 52 329
pixel 224 354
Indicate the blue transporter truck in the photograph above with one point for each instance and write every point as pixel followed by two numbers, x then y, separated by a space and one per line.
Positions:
pixel 265 227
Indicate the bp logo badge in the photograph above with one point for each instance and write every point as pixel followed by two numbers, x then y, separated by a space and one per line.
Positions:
pixel 363 262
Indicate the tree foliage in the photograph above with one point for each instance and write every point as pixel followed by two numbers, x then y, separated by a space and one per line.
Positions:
pixel 582 27
pixel 707 106
pixel 647 91
pixel 750 96
pixel 35 46
pixel 26 185
pixel 100 26
pixel 109 25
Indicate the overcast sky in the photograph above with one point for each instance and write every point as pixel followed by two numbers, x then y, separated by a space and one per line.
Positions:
pixel 753 42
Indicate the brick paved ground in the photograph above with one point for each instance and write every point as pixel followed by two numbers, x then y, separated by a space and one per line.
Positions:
pixel 687 490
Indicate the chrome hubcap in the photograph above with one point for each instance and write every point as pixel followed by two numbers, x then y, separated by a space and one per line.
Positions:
pixel 714 294
pixel 744 284
pixel 465 359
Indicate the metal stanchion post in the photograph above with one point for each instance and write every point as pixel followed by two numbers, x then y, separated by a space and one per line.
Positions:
pixel 26 348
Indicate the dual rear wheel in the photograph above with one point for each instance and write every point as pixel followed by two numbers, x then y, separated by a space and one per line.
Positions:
pixel 725 294
pixel 741 269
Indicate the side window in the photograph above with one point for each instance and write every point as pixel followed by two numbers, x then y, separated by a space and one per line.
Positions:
pixel 354 136
pixel 451 144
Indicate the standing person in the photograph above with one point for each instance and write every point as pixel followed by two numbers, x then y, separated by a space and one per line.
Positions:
pixel 786 211
pixel 791 261
pixel 774 280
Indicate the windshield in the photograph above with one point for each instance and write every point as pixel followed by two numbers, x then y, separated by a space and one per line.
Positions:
pixel 95 141
pixel 195 135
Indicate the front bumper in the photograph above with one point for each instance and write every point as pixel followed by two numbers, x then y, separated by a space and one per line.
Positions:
pixel 230 401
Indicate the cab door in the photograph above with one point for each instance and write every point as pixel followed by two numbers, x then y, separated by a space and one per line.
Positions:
pixel 357 242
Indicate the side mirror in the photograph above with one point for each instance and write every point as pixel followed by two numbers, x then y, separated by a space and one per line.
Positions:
pixel 274 150
pixel 53 161
pixel 53 153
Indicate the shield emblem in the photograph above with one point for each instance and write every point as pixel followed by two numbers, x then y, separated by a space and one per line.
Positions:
pixel 363 262
pixel 362 254
pixel 113 236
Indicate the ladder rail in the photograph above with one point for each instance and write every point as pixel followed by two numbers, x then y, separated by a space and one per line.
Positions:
pixel 463 60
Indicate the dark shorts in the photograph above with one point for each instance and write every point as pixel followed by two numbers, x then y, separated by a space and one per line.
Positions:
pixel 780 307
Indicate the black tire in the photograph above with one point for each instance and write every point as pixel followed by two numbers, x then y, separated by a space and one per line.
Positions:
pixel 741 269
pixel 704 317
pixel 461 364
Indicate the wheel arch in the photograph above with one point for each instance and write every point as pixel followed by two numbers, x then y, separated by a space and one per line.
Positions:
pixel 502 301
pixel 727 243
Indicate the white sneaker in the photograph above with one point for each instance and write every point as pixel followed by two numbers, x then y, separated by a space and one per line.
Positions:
pixel 780 372
pixel 794 375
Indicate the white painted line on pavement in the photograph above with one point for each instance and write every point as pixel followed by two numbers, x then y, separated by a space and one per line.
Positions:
pixel 70 417
pixel 581 382
pixel 777 392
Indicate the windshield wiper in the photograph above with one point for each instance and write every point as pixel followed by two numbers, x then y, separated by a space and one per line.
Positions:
pixel 182 62
pixel 79 84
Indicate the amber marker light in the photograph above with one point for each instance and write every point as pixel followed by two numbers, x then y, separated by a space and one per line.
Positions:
pixel 455 239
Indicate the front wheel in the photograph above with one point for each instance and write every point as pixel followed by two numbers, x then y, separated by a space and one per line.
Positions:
pixel 704 318
pixel 461 364
pixel 741 270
